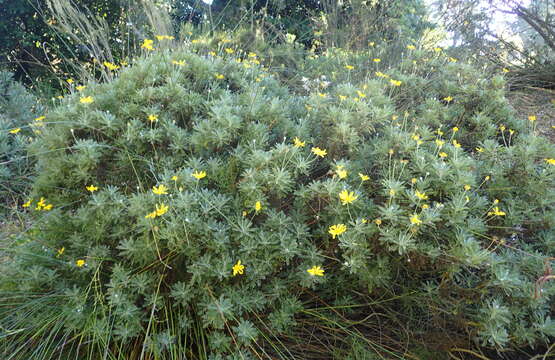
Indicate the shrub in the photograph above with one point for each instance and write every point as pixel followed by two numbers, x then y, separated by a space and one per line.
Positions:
pixel 153 190
pixel 18 108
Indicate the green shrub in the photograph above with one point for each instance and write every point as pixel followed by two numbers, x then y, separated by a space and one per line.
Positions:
pixel 153 187
pixel 18 108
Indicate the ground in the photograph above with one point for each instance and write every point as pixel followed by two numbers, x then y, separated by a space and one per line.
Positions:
pixel 539 102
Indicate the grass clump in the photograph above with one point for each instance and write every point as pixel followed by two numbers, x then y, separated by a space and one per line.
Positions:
pixel 200 204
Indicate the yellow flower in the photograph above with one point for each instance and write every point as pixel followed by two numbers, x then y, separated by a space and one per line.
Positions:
pixel 415 137
pixel 439 132
pixel 40 118
pixel 361 94
pixel 487 178
pixel 298 143
pixel 199 174
pixel 395 82
pixel 347 197
pixel 378 222
pixel 80 263
pixel 15 131
pixel 92 188
pixel 86 100
pixel 111 66
pixel 425 206
pixel 496 212
pixel 28 203
pixel 448 98
pixel 257 206
pixel 316 271
pixel 502 128
pixel 467 187
pixel 505 70
pixel 550 161
pixel 479 149
pixel 70 81
pixel 338 229
pixel 238 268
pixel 381 74
pixel 437 49
pixel 349 67
pixel 456 144
pixel 363 177
pixel 455 129
pixel 179 63
pixel 80 87
pixel 147 44
pixel 391 192
pixel 390 151
pixel 532 118
pixel 377 60
pixel 164 37
pixel 151 215
pixel 229 50
pixel 60 251
pixel 41 204
pixel 212 53
pixel 47 207
pixel 415 220
pixel 252 55
pixel 319 152
pixel 371 43
pixel 341 173
pixel 160 190
pixel 219 76
pixel 439 143
pixel 413 180
pixel 442 155
pixel 322 95
pixel 161 209
pixel 174 178
pixel 452 59
pixel 411 47
pixel 152 118
pixel 421 196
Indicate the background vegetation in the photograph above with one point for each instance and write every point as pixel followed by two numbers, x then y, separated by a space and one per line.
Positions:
pixel 275 180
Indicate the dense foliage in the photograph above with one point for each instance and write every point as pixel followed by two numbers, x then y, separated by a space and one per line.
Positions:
pixel 18 108
pixel 202 204
pixel 36 49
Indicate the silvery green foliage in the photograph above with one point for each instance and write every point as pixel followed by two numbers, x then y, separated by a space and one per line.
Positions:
pixel 18 107
pixel 451 218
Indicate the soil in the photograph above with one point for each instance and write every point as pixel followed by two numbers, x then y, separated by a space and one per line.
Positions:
pixel 539 102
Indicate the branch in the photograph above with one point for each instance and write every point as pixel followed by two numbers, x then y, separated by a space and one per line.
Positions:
pixel 533 21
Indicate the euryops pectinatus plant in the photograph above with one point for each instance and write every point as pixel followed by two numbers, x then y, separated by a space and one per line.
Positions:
pixel 197 205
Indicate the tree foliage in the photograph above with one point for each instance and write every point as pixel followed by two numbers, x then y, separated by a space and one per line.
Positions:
pixel 34 48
